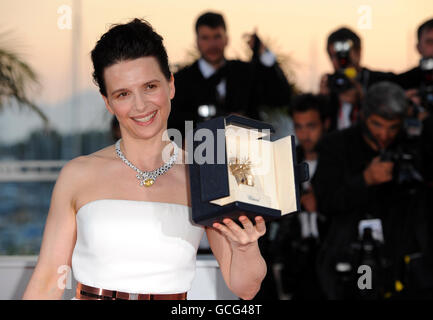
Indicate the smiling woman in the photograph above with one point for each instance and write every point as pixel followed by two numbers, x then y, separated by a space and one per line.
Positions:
pixel 139 96
pixel 129 240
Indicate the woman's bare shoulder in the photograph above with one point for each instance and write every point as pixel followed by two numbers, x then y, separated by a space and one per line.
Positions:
pixel 84 166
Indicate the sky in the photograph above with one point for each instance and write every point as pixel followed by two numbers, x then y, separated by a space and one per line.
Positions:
pixel 39 31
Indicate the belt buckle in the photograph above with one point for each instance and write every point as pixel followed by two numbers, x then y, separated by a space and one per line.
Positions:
pixel 133 296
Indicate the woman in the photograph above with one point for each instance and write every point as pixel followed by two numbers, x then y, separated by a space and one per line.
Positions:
pixel 125 236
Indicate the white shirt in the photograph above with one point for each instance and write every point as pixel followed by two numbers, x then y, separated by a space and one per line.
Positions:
pixel 344 120
pixel 207 70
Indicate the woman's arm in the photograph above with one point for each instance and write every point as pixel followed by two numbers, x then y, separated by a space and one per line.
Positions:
pixel 47 281
pixel 238 254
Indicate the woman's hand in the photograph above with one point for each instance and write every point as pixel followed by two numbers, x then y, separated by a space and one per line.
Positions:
pixel 238 254
pixel 242 239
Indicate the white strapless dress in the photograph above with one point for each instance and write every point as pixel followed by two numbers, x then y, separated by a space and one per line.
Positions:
pixel 136 246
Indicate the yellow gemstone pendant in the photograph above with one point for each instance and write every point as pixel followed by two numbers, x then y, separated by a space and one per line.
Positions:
pixel 149 182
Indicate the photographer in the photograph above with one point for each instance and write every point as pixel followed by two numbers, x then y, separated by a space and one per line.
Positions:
pixel 368 184
pixel 214 86
pixel 346 86
pixel 299 235
pixel 418 82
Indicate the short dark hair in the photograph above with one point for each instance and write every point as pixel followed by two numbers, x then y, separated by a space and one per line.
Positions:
pixel 115 127
pixel 308 101
pixel 387 100
pixel 210 19
pixel 427 25
pixel 129 41
pixel 343 34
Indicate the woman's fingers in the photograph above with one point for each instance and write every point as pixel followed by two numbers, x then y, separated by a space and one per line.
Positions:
pixel 249 233
pixel 246 223
pixel 225 231
pixel 234 227
pixel 260 225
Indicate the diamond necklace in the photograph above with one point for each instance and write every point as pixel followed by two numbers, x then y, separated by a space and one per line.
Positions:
pixel 147 178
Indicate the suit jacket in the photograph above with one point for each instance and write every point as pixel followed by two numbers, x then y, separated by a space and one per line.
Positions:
pixel 410 79
pixel 248 86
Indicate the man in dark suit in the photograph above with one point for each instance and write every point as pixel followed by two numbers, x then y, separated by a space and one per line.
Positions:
pixel 418 81
pixel 214 86
pixel 412 78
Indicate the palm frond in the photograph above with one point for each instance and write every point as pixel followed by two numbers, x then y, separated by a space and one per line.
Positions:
pixel 16 78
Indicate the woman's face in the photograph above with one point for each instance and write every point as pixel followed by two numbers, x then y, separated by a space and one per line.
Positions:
pixel 139 95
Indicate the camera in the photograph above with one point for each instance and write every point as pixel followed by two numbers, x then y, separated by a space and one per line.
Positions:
pixel 341 80
pixel 405 164
pixel 365 251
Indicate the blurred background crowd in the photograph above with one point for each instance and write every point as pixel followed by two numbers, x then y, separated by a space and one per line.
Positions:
pixel 367 137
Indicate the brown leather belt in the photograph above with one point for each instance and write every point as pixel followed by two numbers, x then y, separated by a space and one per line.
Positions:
pixel 84 292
